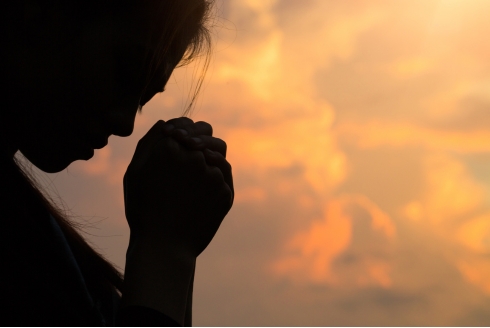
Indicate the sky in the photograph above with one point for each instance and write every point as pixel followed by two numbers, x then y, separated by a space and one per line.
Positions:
pixel 358 135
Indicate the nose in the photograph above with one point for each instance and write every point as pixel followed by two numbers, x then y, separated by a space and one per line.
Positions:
pixel 121 122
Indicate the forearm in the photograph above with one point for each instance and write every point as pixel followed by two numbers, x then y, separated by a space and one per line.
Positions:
pixel 188 308
pixel 159 281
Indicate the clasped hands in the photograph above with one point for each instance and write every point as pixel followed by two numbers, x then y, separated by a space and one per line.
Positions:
pixel 199 136
pixel 178 188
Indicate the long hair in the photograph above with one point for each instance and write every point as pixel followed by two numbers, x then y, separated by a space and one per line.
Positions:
pixel 182 26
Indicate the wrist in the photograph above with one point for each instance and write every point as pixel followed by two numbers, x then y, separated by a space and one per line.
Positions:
pixel 158 279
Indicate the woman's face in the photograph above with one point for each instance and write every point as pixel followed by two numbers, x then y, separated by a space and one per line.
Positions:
pixel 81 93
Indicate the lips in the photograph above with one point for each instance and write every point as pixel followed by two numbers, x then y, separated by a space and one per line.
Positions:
pixel 101 142
pixel 98 141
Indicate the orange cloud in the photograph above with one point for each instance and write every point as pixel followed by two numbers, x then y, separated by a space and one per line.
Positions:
pixel 411 67
pixel 306 141
pixel 475 234
pixel 451 193
pixel 376 134
pixel 316 248
pixel 380 220
pixel 309 255
pixel 476 272
pixel 448 204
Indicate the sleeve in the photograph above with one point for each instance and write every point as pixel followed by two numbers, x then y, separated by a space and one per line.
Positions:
pixel 142 316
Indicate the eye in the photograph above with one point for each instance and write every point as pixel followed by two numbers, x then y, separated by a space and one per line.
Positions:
pixel 157 84
pixel 130 63
pixel 150 94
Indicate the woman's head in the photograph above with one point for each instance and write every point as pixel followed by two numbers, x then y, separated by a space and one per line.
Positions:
pixel 75 72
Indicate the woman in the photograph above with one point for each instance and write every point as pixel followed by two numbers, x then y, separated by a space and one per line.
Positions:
pixel 74 73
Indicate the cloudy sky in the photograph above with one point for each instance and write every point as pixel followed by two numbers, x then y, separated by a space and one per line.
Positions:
pixel 359 137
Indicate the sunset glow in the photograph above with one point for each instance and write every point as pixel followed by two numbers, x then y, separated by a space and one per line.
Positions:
pixel 359 135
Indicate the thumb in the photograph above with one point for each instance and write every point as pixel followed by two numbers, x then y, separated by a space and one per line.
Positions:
pixel 145 145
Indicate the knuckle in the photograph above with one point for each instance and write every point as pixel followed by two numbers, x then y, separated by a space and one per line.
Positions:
pixel 227 165
pixel 215 173
pixel 159 123
pixel 220 141
pixel 170 145
pixel 226 195
pixel 222 144
pixel 222 162
pixel 196 161
pixel 205 126
pixel 197 156
pixel 180 121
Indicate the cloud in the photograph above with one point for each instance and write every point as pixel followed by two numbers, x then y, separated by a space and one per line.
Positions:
pixel 397 135
pixel 475 234
pixel 476 272
pixel 335 250
pixel 405 68
pixel 454 208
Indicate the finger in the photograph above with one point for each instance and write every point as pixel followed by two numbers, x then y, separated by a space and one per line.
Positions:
pixel 183 123
pixel 194 129
pixel 143 149
pixel 167 129
pixel 193 143
pixel 180 134
pixel 153 133
pixel 214 158
pixel 203 128
pixel 183 129
pixel 202 142
pixel 214 144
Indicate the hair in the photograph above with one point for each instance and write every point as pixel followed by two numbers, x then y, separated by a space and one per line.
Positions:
pixel 183 27
pixel 194 38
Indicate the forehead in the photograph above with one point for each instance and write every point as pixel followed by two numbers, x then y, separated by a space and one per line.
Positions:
pixel 146 31
pixel 133 29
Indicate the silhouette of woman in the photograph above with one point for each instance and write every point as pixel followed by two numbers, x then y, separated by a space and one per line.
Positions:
pixel 74 72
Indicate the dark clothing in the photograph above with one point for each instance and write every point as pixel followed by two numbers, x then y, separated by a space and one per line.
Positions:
pixel 42 285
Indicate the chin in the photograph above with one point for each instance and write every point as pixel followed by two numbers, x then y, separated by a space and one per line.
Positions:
pixel 52 167
pixel 55 163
